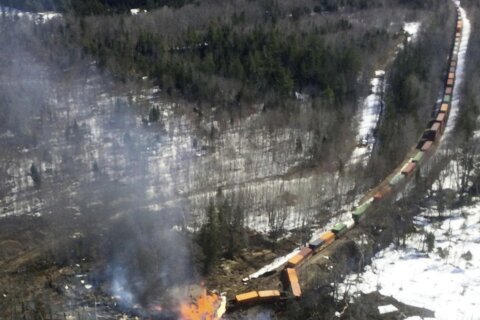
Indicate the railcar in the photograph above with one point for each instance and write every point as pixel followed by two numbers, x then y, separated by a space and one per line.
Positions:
pixel 253 297
pixel 408 169
pixel 418 157
pixel 300 257
pixel 358 213
pixel 383 192
pixel 396 180
pixel 339 229
pixel 290 279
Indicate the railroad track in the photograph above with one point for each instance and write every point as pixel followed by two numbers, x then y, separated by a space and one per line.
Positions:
pixel 390 186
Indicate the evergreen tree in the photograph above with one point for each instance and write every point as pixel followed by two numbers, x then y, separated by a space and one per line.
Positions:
pixel 36 177
pixel 210 236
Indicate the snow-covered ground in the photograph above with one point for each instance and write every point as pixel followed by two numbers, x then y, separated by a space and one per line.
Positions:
pixel 446 280
pixel 38 17
pixel 412 28
pixel 368 116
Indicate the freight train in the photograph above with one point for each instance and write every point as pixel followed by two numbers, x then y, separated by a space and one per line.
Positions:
pixel 424 148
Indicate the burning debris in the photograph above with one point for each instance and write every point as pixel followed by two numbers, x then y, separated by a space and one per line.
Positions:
pixel 208 306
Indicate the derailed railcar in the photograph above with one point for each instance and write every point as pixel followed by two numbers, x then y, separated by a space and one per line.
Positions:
pixel 290 280
pixel 254 297
pixel 247 298
pixel 269 295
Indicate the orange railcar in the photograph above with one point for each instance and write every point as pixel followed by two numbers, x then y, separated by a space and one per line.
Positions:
pixel 268 295
pixel 328 236
pixel 291 279
pixel 299 258
pixel 248 297
pixel 444 108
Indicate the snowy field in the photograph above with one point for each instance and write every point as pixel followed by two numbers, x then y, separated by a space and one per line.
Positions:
pixel 447 280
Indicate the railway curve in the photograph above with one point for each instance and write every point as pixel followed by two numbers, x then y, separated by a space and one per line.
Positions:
pixel 438 127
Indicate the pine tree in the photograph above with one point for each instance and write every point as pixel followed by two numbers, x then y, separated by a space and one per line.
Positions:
pixel 210 238
pixel 36 177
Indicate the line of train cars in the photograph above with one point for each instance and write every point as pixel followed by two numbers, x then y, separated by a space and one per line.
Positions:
pixel 424 148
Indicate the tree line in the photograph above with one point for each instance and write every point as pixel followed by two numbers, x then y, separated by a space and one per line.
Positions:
pixel 90 7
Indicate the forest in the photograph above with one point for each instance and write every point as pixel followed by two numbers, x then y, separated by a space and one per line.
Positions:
pixel 241 57
pixel 215 135
pixel 95 7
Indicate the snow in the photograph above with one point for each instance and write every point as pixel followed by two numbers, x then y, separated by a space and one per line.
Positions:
pixel 460 74
pixel 369 114
pixel 136 11
pixel 387 309
pixel 38 17
pixel 49 15
pixel 272 266
pixel 412 28
pixel 368 119
pixel 447 283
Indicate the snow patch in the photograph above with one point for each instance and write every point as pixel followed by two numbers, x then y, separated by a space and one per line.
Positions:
pixel 136 11
pixel 412 28
pixel 460 74
pixel 277 263
pixel 389 308
pixel 37 17
pixel 446 280
pixel 368 117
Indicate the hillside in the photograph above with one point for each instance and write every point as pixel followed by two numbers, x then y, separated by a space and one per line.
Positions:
pixel 146 151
